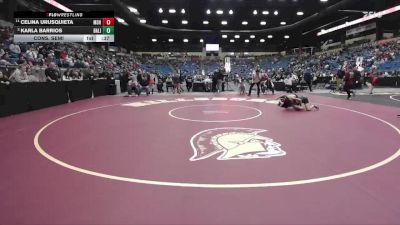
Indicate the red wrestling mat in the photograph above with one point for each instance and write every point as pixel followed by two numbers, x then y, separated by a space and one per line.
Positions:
pixel 200 160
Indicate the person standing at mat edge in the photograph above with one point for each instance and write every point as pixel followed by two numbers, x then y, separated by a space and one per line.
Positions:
pixel 348 84
pixel 308 78
pixel 219 76
pixel 256 81
pixel 374 80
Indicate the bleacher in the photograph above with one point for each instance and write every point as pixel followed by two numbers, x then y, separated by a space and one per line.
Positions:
pixel 189 68
pixel 163 68
pixel 242 67
pixel 210 67
pixel 274 63
pixel 390 65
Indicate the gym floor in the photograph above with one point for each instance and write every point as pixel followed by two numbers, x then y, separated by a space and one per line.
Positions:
pixel 202 159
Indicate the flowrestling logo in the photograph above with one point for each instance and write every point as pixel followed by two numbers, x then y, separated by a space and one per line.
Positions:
pixel 234 143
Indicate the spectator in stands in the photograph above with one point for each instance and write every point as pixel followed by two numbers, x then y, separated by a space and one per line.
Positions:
pixel 30 54
pixel 77 75
pixel 5 59
pixel 15 50
pixel 29 74
pixel 19 75
pixel 4 79
pixel 67 75
pixel 52 74
pixel 21 60
pixel 91 74
pixel 38 72
pixel 2 52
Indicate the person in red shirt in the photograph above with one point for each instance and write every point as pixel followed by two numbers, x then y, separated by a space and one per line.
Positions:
pixel 267 84
pixel 374 80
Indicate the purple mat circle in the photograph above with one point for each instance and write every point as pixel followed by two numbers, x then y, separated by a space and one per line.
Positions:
pixel 236 185
pixel 215 113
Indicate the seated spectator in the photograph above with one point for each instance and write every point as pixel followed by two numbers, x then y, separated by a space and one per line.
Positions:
pixel 2 52
pixel 289 84
pixel 31 77
pixel 38 72
pixel 4 79
pixel 67 75
pixel 52 74
pixel 19 75
pixel 91 74
pixel 15 50
pixel 5 59
pixel 78 75
pixel 30 54
pixel 21 60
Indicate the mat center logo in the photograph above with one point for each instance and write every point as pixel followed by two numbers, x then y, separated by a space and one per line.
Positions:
pixel 234 143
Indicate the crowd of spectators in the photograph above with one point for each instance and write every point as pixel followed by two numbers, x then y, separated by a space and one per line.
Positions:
pixel 54 62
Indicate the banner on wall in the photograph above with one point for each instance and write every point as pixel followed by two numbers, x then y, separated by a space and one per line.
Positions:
pixel 361 29
pixel 359 61
pixel 228 64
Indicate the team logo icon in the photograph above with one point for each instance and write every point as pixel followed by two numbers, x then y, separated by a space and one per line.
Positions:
pixel 234 143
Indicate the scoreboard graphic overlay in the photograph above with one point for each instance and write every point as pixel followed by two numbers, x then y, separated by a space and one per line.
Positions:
pixel 64 26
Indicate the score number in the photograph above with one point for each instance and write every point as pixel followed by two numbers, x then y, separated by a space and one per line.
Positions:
pixel 108 26
pixel 108 21
pixel 105 38
pixel 108 30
